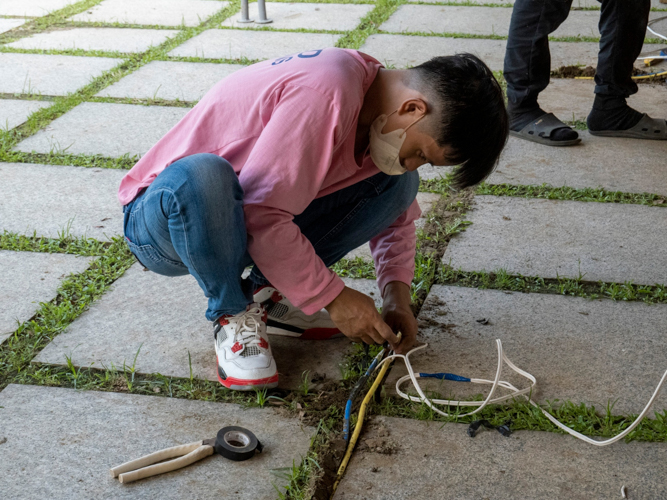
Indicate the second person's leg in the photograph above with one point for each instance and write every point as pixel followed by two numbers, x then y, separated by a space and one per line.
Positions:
pixel 528 61
pixel 622 29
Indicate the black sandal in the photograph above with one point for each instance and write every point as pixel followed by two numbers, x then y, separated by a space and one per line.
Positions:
pixel 541 129
pixel 647 128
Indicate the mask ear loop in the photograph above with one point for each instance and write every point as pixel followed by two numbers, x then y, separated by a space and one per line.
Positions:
pixel 406 128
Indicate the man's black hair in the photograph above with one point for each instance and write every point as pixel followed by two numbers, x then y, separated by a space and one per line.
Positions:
pixel 473 118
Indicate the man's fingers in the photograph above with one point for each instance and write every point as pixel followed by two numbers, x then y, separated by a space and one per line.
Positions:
pixel 385 331
pixel 367 340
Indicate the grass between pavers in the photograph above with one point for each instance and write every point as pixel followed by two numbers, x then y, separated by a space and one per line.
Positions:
pixel 492 36
pixel 599 195
pixel 67 52
pixel 501 279
pixel 443 185
pixel 177 103
pixel 585 419
pixel 369 24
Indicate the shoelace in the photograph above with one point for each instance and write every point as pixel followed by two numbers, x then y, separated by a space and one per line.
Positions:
pixel 247 327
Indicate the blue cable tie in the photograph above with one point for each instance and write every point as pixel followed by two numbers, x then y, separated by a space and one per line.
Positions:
pixel 445 376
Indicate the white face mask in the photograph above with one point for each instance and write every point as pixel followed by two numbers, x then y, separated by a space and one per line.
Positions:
pixel 385 148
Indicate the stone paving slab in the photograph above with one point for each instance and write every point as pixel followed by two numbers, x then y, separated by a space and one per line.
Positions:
pixel 125 40
pixel 31 8
pixel 14 112
pixel 572 99
pixel 590 351
pixel 478 21
pixel 10 24
pixel 61 443
pixel 124 320
pixel 436 461
pixel 550 238
pixel 426 202
pixel 149 12
pixel 80 199
pixel 312 16
pixel 428 171
pixel 236 44
pixel 403 51
pixel 105 129
pixel 626 165
pixel 172 81
pixel 29 278
pixel 49 74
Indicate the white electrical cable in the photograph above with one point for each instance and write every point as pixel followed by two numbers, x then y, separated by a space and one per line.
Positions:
pixel 495 383
pixel 655 21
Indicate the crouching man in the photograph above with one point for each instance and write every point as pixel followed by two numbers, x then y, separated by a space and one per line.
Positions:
pixel 289 164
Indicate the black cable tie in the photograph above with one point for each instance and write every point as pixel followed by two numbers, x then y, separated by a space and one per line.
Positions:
pixel 504 429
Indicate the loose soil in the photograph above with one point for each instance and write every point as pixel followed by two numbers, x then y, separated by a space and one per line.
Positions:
pixel 589 71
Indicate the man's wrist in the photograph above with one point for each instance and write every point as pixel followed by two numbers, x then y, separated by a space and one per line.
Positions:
pixel 396 293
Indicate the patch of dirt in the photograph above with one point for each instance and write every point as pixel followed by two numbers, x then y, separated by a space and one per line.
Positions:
pixel 379 441
pixel 573 72
pixel 330 456
pixel 589 71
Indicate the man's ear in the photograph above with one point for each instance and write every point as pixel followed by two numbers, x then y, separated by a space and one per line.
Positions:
pixel 415 105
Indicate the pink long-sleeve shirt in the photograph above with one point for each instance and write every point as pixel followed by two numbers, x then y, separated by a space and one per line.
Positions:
pixel 287 127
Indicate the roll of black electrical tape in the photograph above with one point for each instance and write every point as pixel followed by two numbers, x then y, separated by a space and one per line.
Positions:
pixel 236 443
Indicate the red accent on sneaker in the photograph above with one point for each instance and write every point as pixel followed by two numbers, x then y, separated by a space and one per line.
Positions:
pixel 263 344
pixel 319 333
pixel 222 320
pixel 276 297
pixel 236 347
pixel 265 317
pixel 230 381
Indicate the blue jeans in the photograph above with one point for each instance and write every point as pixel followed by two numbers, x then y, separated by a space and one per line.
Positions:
pixel 190 221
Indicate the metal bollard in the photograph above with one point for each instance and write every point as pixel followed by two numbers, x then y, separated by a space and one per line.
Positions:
pixel 245 17
pixel 261 6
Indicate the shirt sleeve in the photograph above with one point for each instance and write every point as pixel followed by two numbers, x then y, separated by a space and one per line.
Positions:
pixel 282 175
pixel 394 249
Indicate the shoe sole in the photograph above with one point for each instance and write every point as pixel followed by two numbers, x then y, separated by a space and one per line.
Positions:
pixel 274 327
pixel 545 141
pixel 239 384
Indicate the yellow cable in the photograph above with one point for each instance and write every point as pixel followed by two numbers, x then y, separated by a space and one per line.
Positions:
pixel 357 428
pixel 642 77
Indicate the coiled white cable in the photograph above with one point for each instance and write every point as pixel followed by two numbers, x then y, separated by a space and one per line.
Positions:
pixel 495 383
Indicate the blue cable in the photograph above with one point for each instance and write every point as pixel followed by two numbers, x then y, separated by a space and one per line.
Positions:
pixel 353 395
pixel 445 376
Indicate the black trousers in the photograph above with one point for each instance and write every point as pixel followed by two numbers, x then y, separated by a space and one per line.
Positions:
pixel 528 61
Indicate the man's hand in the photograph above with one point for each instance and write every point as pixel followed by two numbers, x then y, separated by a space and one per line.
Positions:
pixel 398 315
pixel 356 316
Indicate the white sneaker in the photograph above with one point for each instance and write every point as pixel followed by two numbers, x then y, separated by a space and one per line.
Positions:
pixel 287 320
pixel 245 361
